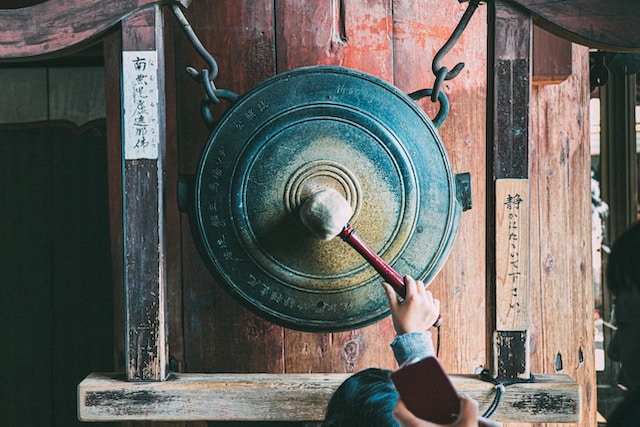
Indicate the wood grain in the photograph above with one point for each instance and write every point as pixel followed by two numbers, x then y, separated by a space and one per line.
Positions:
pixel 512 254
pixel 510 91
pixel 610 25
pixel 561 267
pixel 295 397
pixel 420 29
pixel 144 253
pixel 54 28
pixel 220 334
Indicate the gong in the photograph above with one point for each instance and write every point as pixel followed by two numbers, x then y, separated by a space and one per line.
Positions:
pixel 302 131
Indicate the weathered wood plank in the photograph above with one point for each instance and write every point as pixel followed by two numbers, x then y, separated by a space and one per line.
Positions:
pixel 220 334
pixel 54 28
pixel 291 397
pixel 420 29
pixel 610 25
pixel 561 268
pixel 143 169
pixel 509 97
pixel 354 35
pixel 113 66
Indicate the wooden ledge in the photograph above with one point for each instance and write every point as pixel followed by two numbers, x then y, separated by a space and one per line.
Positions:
pixel 294 397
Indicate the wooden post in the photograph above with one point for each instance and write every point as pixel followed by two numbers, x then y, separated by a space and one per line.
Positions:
pixel 509 122
pixel 143 140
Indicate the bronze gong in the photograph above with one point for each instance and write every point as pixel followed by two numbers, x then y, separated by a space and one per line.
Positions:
pixel 298 132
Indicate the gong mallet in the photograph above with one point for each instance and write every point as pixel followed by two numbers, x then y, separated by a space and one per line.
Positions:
pixel 326 214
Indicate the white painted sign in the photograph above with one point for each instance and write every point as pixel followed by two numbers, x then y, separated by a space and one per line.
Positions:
pixel 140 99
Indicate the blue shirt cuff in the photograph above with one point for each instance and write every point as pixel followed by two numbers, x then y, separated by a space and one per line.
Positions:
pixel 413 345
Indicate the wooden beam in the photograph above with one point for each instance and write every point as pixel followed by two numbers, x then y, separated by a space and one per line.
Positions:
pixel 56 28
pixel 295 397
pixel 143 119
pixel 610 25
pixel 508 203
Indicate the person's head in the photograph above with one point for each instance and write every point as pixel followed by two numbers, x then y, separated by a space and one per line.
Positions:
pixel 623 279
pixel 365 399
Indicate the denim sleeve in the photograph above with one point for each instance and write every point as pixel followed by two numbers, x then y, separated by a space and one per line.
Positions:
pixel 413 345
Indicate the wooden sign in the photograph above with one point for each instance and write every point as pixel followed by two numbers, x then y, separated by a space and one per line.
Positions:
pixel 512 254
pixel 140 99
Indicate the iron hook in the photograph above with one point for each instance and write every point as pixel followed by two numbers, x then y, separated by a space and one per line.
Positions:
pixel 443 73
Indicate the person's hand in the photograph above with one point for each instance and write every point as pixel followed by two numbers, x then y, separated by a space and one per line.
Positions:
pixel 417 312
pixel 468 416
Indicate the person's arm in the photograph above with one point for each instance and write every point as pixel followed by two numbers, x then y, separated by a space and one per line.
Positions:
pixel 468 416
pixel 412 318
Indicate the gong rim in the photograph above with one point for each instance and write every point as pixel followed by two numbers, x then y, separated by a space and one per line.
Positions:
pixel 268 153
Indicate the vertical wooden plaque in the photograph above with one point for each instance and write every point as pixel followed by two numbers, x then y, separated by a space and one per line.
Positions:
pixel 143 118
pixel 512 254
pixel 510 97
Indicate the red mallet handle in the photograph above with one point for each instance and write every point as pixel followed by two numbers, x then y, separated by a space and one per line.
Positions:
pixel 389 275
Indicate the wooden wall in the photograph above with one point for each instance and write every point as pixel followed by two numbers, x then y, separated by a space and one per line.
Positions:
pixel 562 298
pixel 397 45
pixel 211 332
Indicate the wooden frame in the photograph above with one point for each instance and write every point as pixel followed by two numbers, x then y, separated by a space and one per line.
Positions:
pixel 46 29
pixel 105 397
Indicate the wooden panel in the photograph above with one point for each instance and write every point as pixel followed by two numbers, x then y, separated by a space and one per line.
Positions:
pixel 143 170
pixel 357 36
pixel 421 28
pixel 561 267
pixel 291 397
pixel 551 59
pixel 113 66
pixel 53 28
pixel 610 25
pixel 173 248
pixel 335 32
pixel 220 334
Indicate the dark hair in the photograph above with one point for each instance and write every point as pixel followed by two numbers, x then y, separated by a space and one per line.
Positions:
pixel 623 263
pixel 365 399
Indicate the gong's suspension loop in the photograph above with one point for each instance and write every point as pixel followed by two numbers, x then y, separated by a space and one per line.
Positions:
pixel 207 75
pixel 442 73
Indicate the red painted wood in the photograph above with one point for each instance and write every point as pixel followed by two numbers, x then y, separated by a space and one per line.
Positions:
pixel 349 34
pixel 56 28
pixel 355 35
pixel 221 334
pixel 420 29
